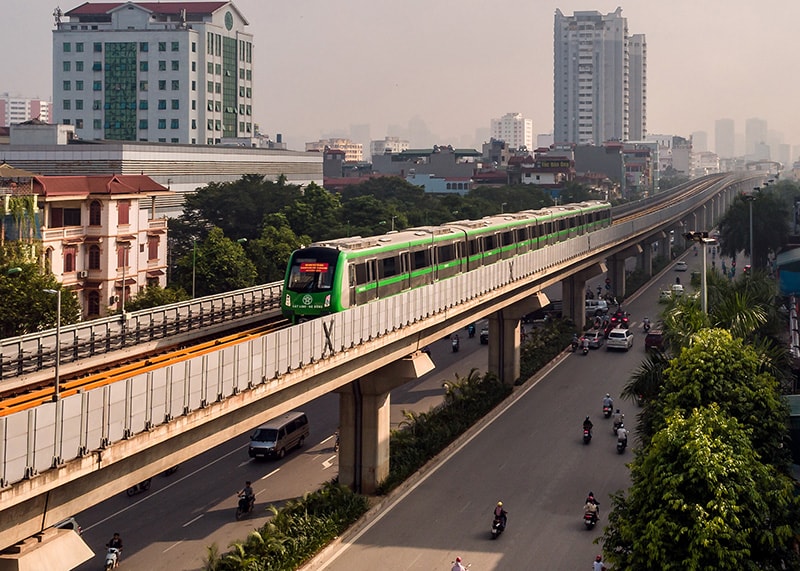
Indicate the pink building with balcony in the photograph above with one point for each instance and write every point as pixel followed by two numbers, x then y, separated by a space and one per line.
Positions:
pixel 100 236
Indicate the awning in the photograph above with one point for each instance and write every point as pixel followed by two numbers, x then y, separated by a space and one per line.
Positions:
pixel 156 232
pixel 93 285
pixel 126 238
pixel 154 273
pixel 128 281
pixel 93 239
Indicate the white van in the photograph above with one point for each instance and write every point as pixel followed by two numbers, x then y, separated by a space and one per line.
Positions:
pixel 279 435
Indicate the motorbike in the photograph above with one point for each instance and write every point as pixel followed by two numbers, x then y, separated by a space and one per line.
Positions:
pixel 587 436
pixel 574 345
pixel 589 519
pixel 471 330
pixel 497 526
pixel 621 446
pixel 138 488
pixel 646 327
pixel 585 350
pixel 169 471
pixel 112 558
pixel 455 345
pixel 245 506
pixel 607 411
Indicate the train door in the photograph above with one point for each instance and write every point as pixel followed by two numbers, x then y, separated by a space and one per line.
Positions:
pixel 366 281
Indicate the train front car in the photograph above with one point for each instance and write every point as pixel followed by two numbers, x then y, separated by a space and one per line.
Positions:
pixel 311 284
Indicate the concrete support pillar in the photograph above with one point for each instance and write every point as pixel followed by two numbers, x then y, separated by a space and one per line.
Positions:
pixel 664 247
pixel 364 422
pixel 505 335
pixel 573 294
pixel 616 273
pixel 645 259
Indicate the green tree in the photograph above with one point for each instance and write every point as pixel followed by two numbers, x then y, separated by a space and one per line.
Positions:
pixel 219 264
pixel 316 212
pixel 155 295
pixel 270 253
pixel 701 499
pixel 26 307
pixel 771 217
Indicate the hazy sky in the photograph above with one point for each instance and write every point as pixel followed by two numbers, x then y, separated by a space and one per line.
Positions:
pixel 325 66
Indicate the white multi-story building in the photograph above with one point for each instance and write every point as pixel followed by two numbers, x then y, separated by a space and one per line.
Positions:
pixel 15 110
pixel 353 152
pixel 388 145
pixel 600 86
pixel 725 138
pixel 514 129
pixel 170 72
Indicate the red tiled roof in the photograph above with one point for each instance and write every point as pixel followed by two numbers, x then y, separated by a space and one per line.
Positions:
pixel 92 8
pixel 96 184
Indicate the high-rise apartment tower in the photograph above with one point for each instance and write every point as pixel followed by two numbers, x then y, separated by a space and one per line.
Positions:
pixel 600 79
pixel 725 138
pixel 173 72
pixel 514 129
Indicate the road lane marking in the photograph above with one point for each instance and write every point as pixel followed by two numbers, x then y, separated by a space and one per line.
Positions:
pixel 190 522
pixel 328 463
pixel 275 471
pixel 329 437
pixel 165 488
pixel 173 545
pixel 245 463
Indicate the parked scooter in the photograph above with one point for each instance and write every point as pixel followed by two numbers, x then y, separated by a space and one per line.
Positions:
pixel 112 559
pixel 138 488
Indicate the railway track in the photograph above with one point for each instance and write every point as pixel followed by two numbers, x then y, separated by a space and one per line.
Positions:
pixel 41 392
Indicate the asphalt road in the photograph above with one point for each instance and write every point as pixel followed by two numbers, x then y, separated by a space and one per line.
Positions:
pixel 532 457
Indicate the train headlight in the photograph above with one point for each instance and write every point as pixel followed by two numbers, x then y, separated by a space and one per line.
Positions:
pixel 327 300
pixel 288 301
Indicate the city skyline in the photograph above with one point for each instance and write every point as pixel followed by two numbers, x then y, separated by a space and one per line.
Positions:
pixel 443 74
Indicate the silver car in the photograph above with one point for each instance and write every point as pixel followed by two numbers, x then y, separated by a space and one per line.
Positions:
pixel 596 338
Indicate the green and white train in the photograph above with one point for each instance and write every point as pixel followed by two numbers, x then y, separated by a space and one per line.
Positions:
pixel 331 276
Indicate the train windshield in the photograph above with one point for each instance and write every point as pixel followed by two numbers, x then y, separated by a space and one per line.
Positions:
pixel 312 271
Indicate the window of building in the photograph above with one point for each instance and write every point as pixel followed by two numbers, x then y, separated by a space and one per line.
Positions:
pixel 97 86
pixel 210 125
pixel 249 57
pixel 210 68
pixel 162 103
pixel 249 75
pixel 79 123
pixel 97 47
pixel 194 105
pixel 95 211
pixel 78 85
pixel 142 124
pixel 194 85
pixel 249 110
pixel 67 65
pixel 143 104
pixel 79 104
pixel 176 103
pixel 217 88
pixel 174 124
pixel 241 73
pixel 176 65
pixel 162 123
pixel 94 257
pixel 67 85
pixel 97 124
pixel 143 86
pixel 241 92
pixel 176 85
pixel 93 308
pixel 241 126
pixel 217 126
pixel 210 141
pixel 66 105
pixel 175 46
pixel 194 123
pixel 211 87
pixel 194 47
pixel 162 139
pixel 162 84
pixel 241 50
pixel 67 47
pixel 79 47
pixel 144 47
pixel 162 65
pixel 210 43
pixel 78 66
pixel 218 106
pixel 217 44
pixel 144 66
pixel 70 252
pixel 194 66
pixel 249 92
pixel 174 140
pixel 218 69
pixel 162 46
pixel 97 66
pixel 123 207
pixel 241 109
pixel 123 255
pixel 60 217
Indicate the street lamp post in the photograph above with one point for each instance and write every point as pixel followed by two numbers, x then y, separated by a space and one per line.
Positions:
pixel 503 208
pixel 703 239
pixel 393 217
pixel 57 293
pixel 194 264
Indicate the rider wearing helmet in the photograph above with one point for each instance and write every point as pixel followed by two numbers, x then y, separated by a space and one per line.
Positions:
pixel 608 401
pixel 458 566
pixel 500 512
pixel 587 424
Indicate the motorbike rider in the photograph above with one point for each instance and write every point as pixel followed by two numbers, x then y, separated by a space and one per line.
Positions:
pixel 622 434
pixel 247 495
pixel 587 424
pixel 618 419
pixel 116 543
pixel 608 401
pixel 457 566
pixel 597 564
pixel 585 343
pixel 575 341
pixel 501 513
pixel 646 323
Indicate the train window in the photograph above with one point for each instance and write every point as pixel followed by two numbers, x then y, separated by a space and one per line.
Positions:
pixel 474 246
pixel 562 225
pixel 489 242
pixel 508 238
pixel 389 267
pixel 361 273
pixel 522 235
pixel 445 253
pixel 573 221
pixel 420 259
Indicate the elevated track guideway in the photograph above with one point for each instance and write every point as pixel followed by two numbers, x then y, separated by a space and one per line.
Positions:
pixel 113 428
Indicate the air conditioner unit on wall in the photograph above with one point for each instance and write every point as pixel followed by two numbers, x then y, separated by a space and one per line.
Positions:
pixel 113 299
pixel 83 274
